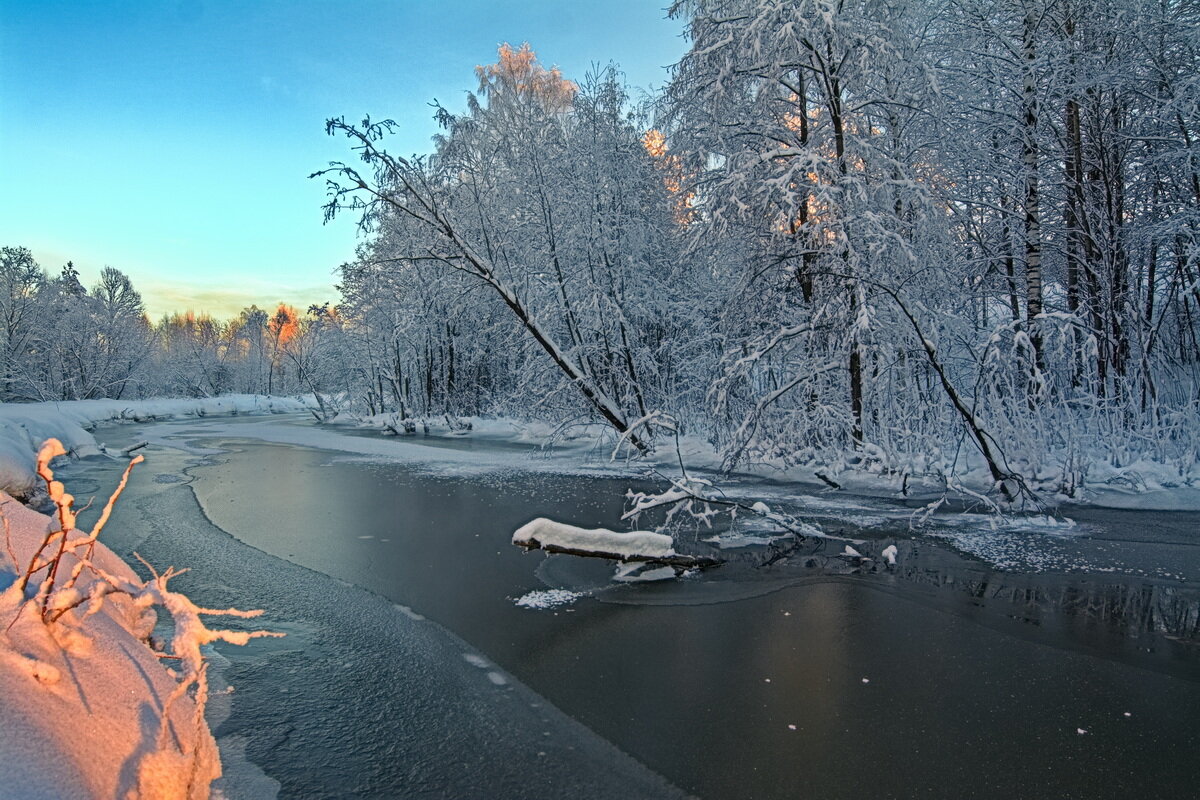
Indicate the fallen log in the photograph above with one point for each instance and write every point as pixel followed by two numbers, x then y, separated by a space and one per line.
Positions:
pixel 677 560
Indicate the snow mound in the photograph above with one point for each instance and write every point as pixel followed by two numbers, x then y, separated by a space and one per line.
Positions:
pixel 87 709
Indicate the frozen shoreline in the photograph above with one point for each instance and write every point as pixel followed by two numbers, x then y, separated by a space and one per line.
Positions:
pixel 1141 485
pixel 24 426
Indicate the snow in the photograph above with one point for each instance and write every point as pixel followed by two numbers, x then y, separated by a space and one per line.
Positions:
pixel 730 540
pixel 582 449
pixel 24 426
pixel 73 737
pixel 476 660
pixel 1040 522
pixel 87 709
pixel 634 545
pixel 547 598
pixel 889 554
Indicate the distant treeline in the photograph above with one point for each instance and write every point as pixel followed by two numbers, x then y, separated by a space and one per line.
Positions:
pixel 62 341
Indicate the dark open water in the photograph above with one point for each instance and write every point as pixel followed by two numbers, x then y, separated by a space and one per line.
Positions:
pixel 815 677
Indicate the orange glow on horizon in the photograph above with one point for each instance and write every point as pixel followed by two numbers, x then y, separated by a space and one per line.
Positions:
pixel 284 324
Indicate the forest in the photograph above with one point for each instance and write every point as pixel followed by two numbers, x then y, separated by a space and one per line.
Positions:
pixel 898 237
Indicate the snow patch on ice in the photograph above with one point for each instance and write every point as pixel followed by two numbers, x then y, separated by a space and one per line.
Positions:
pixel 730 540
pixel 1043 523
pixel 548 598
pixel 408 612
pixel 476 661
pixel 1012 550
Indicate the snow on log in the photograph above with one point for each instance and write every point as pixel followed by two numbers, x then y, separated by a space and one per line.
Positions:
pixel 557 537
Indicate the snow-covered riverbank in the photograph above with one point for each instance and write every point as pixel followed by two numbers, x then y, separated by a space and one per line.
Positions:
pixel 87 708
pixel 24 426
pixel 1140 483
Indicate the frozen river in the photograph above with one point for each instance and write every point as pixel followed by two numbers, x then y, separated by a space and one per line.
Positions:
pixel 1033 661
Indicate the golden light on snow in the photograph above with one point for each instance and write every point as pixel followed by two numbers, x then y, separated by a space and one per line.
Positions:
pixel 518 73
pixel 655 143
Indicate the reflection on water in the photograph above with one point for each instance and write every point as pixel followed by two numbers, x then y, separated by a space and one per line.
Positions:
pixel 1123 608
pixel 1154 624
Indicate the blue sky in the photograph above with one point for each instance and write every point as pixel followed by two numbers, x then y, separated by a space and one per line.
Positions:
pixel 172 139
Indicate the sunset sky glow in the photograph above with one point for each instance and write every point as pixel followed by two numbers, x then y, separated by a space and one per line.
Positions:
pixel 173 140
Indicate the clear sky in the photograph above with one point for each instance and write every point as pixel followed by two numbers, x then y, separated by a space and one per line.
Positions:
pixel 172 139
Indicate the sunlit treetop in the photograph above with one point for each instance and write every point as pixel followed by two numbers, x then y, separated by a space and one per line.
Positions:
pixel 655 143
pixel 284 323
pixel 518 74
pixel 671 168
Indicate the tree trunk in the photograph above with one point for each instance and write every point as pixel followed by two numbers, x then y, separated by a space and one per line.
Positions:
pixel 1029 161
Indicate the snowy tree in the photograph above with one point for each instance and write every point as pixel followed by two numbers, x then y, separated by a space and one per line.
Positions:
pixel 801 125
pixel 21 280
pixel 544 197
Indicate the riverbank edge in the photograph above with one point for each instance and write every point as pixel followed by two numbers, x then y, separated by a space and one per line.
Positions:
pixel 25 426
pixel 1142 484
